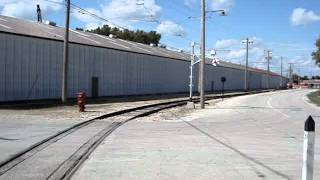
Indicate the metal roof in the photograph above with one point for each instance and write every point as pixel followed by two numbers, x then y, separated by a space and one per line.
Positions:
pixel 40 30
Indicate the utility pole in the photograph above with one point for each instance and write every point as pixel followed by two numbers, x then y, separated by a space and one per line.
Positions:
pixel 281 80
pixel 298 77
pixel 64 94
pixel 247 42
pixel 268 62
pixel 39 17
pixel 290 74
pixel 202 51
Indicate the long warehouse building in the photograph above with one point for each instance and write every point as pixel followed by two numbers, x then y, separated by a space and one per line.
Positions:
pixel 31 66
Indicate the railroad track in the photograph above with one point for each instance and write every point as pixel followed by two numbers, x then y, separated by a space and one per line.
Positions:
pixel 62 153
pixel 59 156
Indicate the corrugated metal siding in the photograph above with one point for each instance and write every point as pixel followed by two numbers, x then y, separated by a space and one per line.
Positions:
pixel 254 81
pixel 234 78
pixel 31 68
pixel 3 62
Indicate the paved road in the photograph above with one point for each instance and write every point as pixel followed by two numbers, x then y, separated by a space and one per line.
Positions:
pixel 249 137
pixel 21 128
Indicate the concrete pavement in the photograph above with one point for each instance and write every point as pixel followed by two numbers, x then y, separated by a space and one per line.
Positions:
pixel 249 137
pixel 21 128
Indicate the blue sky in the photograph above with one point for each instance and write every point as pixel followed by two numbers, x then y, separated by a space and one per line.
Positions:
pixel 288 27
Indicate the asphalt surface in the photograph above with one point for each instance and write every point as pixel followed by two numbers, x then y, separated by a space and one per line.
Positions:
pixel 18 133
pixel 42 164
pixel 250 137
pixel 21 127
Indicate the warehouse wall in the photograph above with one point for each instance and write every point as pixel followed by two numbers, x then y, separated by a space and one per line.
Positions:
pixel 124 73
pixel 31 68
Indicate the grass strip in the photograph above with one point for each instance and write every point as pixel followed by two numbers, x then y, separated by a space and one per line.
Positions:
pixel 315 97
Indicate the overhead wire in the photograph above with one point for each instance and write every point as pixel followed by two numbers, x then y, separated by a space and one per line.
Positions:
pixel 84 11
pixel 96 16
pixel 152 19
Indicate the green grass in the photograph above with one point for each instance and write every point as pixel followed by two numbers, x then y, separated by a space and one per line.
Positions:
pixel 315 97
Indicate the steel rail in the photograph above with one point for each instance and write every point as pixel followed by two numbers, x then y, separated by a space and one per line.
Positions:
pixel 66 169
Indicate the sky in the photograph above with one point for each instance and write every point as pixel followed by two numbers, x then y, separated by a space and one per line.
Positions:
pixel 288 28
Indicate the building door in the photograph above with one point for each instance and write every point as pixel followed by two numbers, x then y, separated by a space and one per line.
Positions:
pixel 94 87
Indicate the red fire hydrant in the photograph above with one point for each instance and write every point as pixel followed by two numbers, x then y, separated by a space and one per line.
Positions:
pixel 81 101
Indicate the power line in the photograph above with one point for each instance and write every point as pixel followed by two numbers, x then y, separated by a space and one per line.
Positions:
pixel 84 11
pixel 152 19
pixel 95 16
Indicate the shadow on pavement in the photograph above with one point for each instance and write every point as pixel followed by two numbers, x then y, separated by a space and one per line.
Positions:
pixel 240 153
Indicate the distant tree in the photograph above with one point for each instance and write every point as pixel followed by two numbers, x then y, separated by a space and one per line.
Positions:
pixel 116 31
pixel 153 37
pixel 316 54
pixel 304 78
pixel 136 36
pixel 295 78
pixel 104 30
pixel 163 46
pixel 79 29
pixel 315 77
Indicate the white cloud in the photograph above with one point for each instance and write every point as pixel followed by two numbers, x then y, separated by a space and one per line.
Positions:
pixel 121 12
pixel 257 42
pixel 301 16
pixel 170 28
pixel 293 52
pixel 221 4
pixel 26 9
pixel 90 22
pixel 212 4
pixel 84 17
pixel 237 49
pixel 190 3
pixel 127 13
pixel 303 65
pixel 226 43
pixel 129 10
pixel 90 26
pixel 236 54
pixel 301 60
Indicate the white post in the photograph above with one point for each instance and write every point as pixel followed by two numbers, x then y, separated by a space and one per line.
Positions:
pixel 308 149
pixel 246 70
pixel 190 103
pixel 281 79
pixel 191 72
pixel 268 62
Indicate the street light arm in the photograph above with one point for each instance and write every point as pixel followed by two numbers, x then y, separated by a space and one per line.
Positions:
pixel 214 11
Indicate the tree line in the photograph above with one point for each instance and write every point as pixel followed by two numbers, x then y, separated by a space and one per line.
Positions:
pixel 296 78
pixel 139 36
pixel 316 54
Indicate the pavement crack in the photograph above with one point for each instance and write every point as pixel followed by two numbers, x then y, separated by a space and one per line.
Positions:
pixel 8 139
